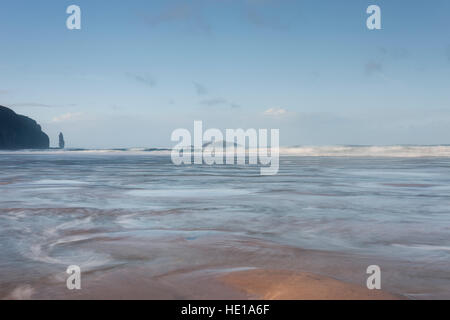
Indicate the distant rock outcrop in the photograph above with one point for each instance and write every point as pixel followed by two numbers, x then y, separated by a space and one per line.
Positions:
pixel 62 143
pixel 20 132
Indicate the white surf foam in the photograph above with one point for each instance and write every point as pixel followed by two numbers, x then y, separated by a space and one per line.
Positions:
pixel 368 151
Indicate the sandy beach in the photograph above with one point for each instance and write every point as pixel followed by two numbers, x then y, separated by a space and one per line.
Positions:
pixel 288 285
pixel 254 284
pixel 140 230
pixel 242 269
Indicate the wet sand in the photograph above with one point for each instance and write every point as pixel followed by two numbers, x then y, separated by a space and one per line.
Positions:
pixel 140 228
pixel 288 285
pixel 244 269
pixel 221 267
pixel 136 284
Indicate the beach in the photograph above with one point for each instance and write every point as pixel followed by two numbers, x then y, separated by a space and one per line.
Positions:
pixel 235 276
pixel 282 285
pixel 141 228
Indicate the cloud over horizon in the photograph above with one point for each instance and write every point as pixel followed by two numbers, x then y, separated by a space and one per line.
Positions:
pixel 275 112
pixel 67 117
pixel 219 102
pixel 39 105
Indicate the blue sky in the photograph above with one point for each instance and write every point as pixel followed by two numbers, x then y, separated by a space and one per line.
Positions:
pixel 139 69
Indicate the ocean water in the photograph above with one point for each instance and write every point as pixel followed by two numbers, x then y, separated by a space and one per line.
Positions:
pixel 119 209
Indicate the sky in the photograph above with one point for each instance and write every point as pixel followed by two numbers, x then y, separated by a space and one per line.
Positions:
pixel 137 70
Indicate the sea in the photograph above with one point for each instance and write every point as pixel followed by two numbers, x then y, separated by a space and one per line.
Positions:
pixel 329 210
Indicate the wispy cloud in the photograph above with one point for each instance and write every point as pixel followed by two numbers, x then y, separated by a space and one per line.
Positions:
pixel 275 112
pixel 373 67
pixel 200 89
pixel 268 14
pixel 394 53
pixel 256 18
pixel 39 105
pixel 213 102
pixel 67 117
pixel 144 79
pixel 219 102
pixel 385 56
pixel 188 12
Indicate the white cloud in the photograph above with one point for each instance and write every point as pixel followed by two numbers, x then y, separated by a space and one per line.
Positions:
pixel 67 117
pixel 275 112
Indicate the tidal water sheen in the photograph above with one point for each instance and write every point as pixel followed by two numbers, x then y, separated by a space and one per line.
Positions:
pixel 125 209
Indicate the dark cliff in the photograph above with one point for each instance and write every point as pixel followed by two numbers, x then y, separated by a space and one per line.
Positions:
pixel 20 132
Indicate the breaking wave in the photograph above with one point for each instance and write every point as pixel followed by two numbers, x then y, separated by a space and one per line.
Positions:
pixel 400 151
pixel 368 151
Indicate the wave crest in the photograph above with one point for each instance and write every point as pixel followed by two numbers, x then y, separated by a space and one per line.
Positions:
pixel 368 151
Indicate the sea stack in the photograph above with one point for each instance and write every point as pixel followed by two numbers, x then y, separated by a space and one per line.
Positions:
pixel 20 132
pixel 62 143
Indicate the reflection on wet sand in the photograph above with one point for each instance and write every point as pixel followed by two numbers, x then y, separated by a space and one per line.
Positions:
pixel 288 285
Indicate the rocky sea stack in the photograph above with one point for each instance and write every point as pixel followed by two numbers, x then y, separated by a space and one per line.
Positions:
pixel 20 132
